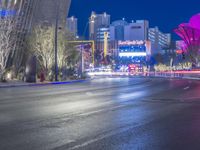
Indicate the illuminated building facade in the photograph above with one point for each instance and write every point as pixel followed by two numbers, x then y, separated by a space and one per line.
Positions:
pixel 27 14
pixel 33 12
pixel 101 37
pixel 99 27
pixel 72 25
pixel 159 40
pixel 137 30
pixel 117 30
pixel 133 52
pixel 21 11
pixel 96 22
pixel 48 10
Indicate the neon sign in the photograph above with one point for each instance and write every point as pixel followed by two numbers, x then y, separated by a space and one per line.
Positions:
pixel 133 54
pixel 131 42
pixel 179 51
pixel 4 13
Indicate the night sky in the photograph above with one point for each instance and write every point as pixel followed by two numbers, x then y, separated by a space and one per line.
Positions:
pixel 166 14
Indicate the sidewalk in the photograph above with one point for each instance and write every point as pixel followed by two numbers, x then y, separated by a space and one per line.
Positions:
pixel 16 83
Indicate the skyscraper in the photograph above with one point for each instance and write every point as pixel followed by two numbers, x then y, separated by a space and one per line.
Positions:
pixel 117 30
pixel 21 12
pixel 48 10
pixel 72 25
pixel 33 12
pixel 29 13
pixel 159 40
pixel 137 30
pixel 99 26
pixel 96 22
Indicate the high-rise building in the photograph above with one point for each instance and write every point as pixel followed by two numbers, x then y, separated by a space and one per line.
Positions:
pixel 123 32
pixel 133 53
pixel 97 21
pixel 8 8
pixel 101 34
pixel 27 14
pixel 21 11
pixel 117 30
pixel 99 27
pixel 49 10
pixel 159 40
pixel 72 25
pixel 137 30
pixel 100 39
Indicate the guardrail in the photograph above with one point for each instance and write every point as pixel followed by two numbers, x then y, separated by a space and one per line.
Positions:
pixel 167 74
pixel 176 74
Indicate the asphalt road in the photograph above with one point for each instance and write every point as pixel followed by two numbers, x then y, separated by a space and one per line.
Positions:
pixel 102 114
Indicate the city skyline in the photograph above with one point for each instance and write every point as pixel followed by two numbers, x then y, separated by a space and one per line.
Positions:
pixel 154 11
pixel 127 78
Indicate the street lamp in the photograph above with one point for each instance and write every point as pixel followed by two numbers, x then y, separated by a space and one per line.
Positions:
pixel 82 61
pixel 56 40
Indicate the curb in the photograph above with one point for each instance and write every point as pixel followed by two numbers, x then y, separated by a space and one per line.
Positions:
pixel 43 84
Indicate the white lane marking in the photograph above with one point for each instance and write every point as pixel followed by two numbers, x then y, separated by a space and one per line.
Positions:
pixel 186 88
pixel 103 136
pixel 89 93
pixel 101 110
pixel 131 95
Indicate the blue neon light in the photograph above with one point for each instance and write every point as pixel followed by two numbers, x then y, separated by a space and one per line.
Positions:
pixel 5 13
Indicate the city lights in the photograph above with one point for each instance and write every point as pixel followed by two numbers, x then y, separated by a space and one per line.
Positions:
pixel 132 54
pixel 99 75
pixel 131 42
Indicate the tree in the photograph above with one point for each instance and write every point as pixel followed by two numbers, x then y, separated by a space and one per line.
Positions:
pixel 41 45
pixel 72 54
pixel 190 34
pixel 7 41
pixel 68 55
pixel 169 52
pixel 159 58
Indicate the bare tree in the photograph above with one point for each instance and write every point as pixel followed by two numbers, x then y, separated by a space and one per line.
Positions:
pixel 67 52
pixel 7 41
pixel 41 45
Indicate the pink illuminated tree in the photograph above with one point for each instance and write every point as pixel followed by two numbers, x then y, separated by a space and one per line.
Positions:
pixel 190 34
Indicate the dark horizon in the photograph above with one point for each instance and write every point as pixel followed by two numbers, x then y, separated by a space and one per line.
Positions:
pixel 166 15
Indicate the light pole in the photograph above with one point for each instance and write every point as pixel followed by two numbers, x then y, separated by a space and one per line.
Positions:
pixel 56 40
pixel 82 61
